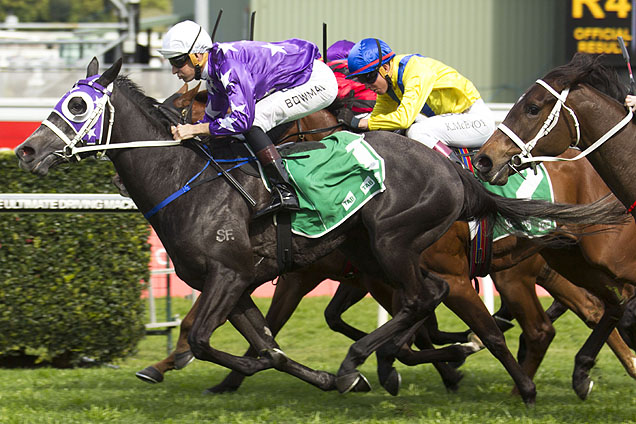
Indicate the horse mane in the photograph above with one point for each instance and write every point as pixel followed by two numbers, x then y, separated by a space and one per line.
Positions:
pixel 147 104
pixel 337 105
pixel 588 69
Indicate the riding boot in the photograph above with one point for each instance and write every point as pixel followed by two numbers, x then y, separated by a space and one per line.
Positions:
pixel 447 152
pixel 283 193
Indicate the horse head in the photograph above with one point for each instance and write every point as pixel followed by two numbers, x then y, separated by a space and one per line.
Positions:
pixel 532 127
pixel 79 118
pixel 543 122
pixel 185 106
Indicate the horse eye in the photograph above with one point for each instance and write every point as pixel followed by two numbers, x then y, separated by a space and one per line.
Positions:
pixel 532 109
pixel 77 106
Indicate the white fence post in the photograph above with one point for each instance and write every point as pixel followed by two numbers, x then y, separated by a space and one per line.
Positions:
pixel 488 292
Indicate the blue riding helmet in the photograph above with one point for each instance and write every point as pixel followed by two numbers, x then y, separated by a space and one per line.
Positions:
pixel 363 57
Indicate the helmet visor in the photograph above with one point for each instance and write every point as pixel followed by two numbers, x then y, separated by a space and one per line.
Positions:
pixel 368 78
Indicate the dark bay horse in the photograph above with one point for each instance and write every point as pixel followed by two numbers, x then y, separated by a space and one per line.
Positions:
pixel 515 284
pixel 538 330
pixel 425 195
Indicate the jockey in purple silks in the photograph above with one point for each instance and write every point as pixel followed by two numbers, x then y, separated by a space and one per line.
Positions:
pixel 252 87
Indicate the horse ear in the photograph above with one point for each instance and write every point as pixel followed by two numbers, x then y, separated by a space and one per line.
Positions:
pixel 93 68
pixel 186 96
pixel 110 74
pixel 183 88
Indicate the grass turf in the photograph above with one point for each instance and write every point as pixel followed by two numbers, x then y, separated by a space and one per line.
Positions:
pixel 108 395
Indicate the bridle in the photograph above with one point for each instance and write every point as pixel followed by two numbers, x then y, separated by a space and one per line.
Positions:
pixel 526 156
pixel 90 136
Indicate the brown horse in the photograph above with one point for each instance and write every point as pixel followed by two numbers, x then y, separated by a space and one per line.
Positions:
pixel 463 300
pixel 590 99
pixel 591 109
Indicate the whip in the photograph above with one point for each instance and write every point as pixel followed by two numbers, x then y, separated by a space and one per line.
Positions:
pixel 632 84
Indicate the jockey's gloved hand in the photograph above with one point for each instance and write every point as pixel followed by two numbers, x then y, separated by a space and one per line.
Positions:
pixel 348 119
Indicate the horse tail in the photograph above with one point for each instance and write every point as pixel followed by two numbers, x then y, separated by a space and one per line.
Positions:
pixel 481 203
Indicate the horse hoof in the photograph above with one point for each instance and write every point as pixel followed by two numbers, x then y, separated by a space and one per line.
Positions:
pixel 392 382
pixel 583 389
pixel 220 388
pixel 150 375
pixel 354 382
pixel 474 344
pixel 277 356
pixel 362 386
pixel 183 359
pixel 452 385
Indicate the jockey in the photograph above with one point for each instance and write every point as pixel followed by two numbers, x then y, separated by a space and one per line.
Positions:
pixel 252 87
pixel 432 101
pixel 355 95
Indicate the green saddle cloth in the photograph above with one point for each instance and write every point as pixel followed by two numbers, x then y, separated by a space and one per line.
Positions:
pixel 526 186
pixel 333 182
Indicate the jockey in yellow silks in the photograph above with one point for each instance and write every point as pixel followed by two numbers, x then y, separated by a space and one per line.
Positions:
pixel 437 105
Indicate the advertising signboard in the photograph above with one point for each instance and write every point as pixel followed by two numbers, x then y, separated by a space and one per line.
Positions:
pixel 594 25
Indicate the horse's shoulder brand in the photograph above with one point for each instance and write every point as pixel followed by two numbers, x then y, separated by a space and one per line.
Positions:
pixel 224 234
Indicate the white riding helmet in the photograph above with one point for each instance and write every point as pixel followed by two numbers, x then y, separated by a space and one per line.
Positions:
pixel 184 38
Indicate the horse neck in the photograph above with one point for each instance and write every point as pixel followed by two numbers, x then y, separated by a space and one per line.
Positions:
pixel 153 173
pixel 614 160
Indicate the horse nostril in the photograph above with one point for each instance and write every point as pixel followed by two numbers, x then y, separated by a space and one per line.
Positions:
pixel 24 152
pixel 483 163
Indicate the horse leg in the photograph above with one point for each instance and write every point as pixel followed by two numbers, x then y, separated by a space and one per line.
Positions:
pixel 222 290
pixel 389 377
pixel 589 309
pixel 449 374
pixel 346 295
pixel 572 264
pixel 289 291
pixel 627 324
pixel 349 294
pixel 249 320
pixel 464 301
pixel 555 310
pixel 178 358
pixel 517 286
pixel 416 303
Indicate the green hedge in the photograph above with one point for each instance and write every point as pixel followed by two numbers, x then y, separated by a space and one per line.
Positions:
pixel 70 283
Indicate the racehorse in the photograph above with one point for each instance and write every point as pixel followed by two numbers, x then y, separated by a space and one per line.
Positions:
pixel 537 327
pixel 594 119
pixel 425 194
pixel 515 284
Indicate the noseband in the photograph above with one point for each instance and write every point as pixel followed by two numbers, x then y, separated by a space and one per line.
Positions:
pixel 526 157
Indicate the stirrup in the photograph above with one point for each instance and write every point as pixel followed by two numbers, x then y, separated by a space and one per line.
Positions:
pixel 279 202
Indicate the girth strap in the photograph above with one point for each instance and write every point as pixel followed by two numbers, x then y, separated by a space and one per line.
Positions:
pixel 284 241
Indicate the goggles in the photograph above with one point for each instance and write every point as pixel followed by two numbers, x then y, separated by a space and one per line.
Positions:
pixel 178 61
pixel 368 78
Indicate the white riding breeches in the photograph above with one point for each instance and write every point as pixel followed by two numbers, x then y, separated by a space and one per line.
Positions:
pixel 470 128
pixel 294 103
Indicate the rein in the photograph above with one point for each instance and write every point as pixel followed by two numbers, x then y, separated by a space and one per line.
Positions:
pixel 526 157
pixel 300 134
pixel 96 99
